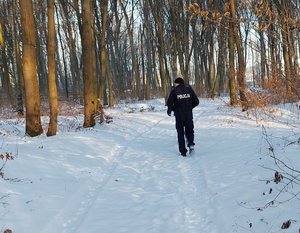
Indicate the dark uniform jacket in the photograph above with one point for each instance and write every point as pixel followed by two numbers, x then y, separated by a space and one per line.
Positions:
pixel 182 100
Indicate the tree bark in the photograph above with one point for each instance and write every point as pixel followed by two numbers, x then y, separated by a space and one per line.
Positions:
pixel 149 48
pixel 222 58
pixel 240 53
pixel 232 85
pixel 263 60
pixel 7 79
pixel 51 71
pixel 103 52
pixel 32 96
pixel 17 60
pixel 282 9
pixel 89 63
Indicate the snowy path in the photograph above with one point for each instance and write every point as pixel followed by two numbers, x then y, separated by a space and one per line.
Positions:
pixel 144 180
pixel 127 176
pixel 141 178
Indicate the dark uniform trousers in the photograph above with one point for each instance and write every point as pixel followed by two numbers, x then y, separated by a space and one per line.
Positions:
pixel 184 127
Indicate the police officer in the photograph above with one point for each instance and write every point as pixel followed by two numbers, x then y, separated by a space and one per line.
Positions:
pixel 182 100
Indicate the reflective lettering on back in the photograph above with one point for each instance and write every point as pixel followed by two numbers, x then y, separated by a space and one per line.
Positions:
pixel 183 96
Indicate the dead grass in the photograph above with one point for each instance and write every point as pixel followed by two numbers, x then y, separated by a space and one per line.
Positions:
pixel 276 92
pixel 65 108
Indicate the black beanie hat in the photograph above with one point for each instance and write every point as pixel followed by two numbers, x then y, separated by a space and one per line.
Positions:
pixel 179 80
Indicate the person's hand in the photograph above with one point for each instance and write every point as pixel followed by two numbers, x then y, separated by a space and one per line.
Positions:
pixel 169 112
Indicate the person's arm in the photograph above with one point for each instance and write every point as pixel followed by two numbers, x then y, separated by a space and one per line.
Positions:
pixel 195 99
pixel 170 103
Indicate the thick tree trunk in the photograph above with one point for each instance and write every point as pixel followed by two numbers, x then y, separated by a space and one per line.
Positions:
pixel 51 71
pixel 89 63
pixel 32 96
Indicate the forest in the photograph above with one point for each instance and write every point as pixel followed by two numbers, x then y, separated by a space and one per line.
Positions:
pixel 95 52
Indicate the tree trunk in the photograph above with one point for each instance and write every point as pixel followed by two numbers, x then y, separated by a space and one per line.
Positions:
pixel 7 79
pixel 286 57
pixel 41 66
pixel 196 58
pixel 134 64
pixel 89 63
pixel 17 64
pixel 273 51
pixel 241 60
pixel 156 9
pixel 74 67
pixel 32 96
pixel 232 88
pixel 64 73
pixel 149 48
pixel 103 52
pixel 222 58
pixel 212 67
pixel 51 71
pixel 142 48
pixel 111 99
pixel 263 60
pixel 282 8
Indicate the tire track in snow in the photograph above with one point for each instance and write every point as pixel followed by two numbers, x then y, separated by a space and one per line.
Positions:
pixel 76 213
pixel 115 163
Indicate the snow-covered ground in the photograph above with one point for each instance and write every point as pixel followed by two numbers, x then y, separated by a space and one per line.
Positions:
pixel 127 176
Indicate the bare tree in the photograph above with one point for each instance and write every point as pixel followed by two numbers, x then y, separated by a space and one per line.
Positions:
pixel 157 10
pixel 32 97
pixel 103 52
pixel 232 85
pixel 71 48
pixel 240 54
pixel 51 71
pixel 89 63
pixel 17 62
pixel 130 29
